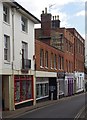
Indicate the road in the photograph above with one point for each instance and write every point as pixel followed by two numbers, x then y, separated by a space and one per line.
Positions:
pixel 66 108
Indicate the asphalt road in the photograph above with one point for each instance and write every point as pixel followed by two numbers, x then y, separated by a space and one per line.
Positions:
pixel 67 108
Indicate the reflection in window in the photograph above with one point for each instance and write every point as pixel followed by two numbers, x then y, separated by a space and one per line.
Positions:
pixel 17 91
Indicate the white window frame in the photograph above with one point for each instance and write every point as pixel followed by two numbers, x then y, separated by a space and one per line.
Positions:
pixel 55 61
pixel 46 59
pixel 5 13
pixel 41 58
pixel 6 48
pixel 24 24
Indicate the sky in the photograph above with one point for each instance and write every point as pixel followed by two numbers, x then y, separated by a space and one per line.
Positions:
pixel 71 12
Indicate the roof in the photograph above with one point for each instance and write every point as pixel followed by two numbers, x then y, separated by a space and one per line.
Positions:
pixel 22 9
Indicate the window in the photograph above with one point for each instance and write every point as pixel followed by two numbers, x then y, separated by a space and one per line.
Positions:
pixel 17 91
pixel 62 62
pixel 51 60
pixel 66 65
pixel 41 58
pixel 59 62
pixel 46 59
pixel 6 48
pixel 42 90
pixel 24 24
pixel 55 62
pixel 23 89
pixel 5 13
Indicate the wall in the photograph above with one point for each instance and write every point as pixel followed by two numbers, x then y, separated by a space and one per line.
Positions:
pixel 19 36
pixel 40 45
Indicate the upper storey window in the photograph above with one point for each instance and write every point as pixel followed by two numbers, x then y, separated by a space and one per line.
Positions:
pixel 6 13
pixel 24 24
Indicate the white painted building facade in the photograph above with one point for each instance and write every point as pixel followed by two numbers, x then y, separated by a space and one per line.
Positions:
pixel 16 54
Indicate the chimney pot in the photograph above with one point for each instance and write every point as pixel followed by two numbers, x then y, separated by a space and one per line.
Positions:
pixel 55 17
pixel 45 10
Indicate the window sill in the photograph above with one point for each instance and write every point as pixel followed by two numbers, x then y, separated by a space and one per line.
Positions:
pixel 41 67
pixel 23 101
pixel 6 23
pixel 25 32
pixel 51 68
pixel 6 62
pixel 46 67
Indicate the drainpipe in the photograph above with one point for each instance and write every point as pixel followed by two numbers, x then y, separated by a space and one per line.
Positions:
pixel 11 78
pixel 12 35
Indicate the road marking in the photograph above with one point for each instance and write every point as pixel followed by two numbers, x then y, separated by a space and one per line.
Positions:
pixel 79 113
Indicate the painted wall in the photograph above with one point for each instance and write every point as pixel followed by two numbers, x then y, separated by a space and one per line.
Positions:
pixel 19 36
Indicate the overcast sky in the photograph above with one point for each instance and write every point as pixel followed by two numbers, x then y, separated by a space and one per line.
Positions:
pixel 71 12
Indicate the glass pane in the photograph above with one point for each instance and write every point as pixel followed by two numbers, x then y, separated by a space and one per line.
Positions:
pixel 29 89
pixel 37 91
pixel 23 90
pixel 17 91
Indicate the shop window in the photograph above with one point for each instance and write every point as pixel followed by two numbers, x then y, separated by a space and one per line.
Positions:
pixel 23 89
pixel 41 90
pixel 37 90
pixel 46 89
pixel 29 89
pixel 17 91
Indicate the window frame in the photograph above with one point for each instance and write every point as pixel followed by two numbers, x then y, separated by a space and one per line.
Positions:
pixel 24 24
pixel 6 16
pixel 7 48
pixel 41 58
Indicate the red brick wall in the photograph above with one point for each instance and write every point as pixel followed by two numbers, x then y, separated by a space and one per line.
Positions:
pixel 40 45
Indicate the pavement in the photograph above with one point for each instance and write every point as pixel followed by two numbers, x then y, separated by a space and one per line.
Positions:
pixel 13 114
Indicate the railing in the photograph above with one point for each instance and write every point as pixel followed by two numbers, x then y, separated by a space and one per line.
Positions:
pixel 26 64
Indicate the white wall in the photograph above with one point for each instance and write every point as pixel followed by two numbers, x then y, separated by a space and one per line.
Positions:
pixel 1 17
pixel 19 36
pixel 79 81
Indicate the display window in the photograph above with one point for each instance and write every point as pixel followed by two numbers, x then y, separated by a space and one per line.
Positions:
pixel 23 88
pixel 42 90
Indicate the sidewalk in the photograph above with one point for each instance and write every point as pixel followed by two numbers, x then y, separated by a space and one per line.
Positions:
pixel 17 112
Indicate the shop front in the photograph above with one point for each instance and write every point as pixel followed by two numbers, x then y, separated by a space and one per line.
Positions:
pixel 23 91
pixel 61 79
pixel 42 88
pixel 69 84
pixel 80 82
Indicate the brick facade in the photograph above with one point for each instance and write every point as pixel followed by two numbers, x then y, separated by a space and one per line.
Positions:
pixel 41 45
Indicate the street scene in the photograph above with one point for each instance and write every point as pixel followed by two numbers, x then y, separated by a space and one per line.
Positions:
pixel 66 108
pixel 43 69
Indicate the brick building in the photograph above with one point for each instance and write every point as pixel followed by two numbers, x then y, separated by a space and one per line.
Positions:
pixel 64 42
pixel 47 66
